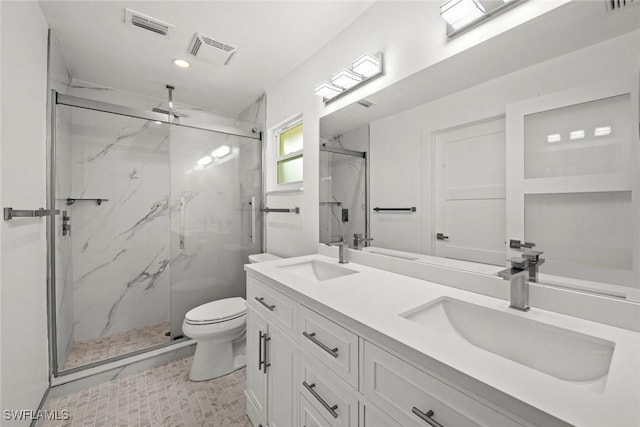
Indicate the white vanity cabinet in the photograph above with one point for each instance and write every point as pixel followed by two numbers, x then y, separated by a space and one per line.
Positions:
pixel 272 359
pixel 305 369
pixel 415 398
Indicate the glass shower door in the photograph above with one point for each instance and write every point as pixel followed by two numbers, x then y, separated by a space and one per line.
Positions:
pixel 343 201
pixel 112 237
pixel 216 186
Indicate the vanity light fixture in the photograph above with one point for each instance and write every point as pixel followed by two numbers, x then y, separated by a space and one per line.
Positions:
pixel 368 65
pixel 204 161
pixel 459 13
pixel 554 137
pixel 328 91
pixel 602 131
pixel 346 79
pixel 181 63
pixel 576 134
pixel 221 151
pixel 363 69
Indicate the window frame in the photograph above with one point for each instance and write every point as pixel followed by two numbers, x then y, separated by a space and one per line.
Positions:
pixel 278 159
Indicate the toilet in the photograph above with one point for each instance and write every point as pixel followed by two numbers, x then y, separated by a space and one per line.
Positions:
pixel 219 330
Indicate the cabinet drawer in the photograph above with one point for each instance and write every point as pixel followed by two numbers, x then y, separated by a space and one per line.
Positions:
pixel 275 306
pixel 397 388
pixel 309 416
pixel 330 343
pixel 328 394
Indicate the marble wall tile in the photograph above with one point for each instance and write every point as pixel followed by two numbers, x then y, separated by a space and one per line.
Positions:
pixel 214 219
pixel 120 248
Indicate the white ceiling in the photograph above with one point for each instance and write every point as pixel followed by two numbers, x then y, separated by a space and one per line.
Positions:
pixel 272 38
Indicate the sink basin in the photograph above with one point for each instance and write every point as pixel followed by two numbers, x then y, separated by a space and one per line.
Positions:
pixel 317 271
pixel 556 351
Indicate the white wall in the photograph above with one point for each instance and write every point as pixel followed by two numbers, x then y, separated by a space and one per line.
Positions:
pixel 412 35
pixel 23 35
pixel 401 145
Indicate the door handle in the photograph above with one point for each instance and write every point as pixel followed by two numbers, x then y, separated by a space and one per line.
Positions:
pixel 252 225
pixel 441 236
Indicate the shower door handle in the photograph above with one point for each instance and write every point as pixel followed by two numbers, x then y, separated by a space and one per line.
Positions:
pixel 182 221
pixel 252 229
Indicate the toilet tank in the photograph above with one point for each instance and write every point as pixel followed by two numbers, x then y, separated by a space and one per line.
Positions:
pixel 264 257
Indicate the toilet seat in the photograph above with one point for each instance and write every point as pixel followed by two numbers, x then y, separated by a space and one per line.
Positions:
pixel 217 311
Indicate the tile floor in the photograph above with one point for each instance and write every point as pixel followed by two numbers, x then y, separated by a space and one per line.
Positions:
pixel 162 396
pixel 101 348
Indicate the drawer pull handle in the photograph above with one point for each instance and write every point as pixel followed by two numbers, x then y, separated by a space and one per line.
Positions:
pixel 261 301
pixel 428 417
pixel 312 337
pixel 265 364
pixel 331 409
pixel 260 361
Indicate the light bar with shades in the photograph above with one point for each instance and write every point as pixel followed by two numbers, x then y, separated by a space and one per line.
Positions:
pixel 344 80
pixel 459 13
pixel 327 91
pixel 368 65
pixel 204 161
pixel 221 151
pixel 462 15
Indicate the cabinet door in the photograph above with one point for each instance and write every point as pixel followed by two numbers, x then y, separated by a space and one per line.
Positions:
pixel 282 363
pixel 256 378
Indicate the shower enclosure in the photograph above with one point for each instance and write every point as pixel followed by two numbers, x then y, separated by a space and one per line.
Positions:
pixel 343 187
pixel 156 217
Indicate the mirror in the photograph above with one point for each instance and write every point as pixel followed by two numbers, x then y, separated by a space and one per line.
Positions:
pixel 475 158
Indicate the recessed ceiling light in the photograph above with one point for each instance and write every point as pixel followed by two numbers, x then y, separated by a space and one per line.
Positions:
pixel 181 63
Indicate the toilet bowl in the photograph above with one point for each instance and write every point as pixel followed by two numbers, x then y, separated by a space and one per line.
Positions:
pixel 219 330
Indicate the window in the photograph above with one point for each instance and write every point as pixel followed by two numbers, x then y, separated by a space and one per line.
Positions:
pixel 289 143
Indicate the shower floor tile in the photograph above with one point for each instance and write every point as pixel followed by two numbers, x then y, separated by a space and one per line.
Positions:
pixel 162 396
pixel 101 348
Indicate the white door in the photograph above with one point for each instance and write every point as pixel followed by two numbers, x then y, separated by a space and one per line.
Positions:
pixel 469 176
pixel 256 378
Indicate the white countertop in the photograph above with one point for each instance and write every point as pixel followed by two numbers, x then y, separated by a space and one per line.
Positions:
pixel 375 298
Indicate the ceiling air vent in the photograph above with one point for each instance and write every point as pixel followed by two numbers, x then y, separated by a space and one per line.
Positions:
pixel 137 19
pixel 211 50
pixel 613 5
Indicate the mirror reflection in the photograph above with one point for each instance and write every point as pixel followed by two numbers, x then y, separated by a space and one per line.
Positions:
pixel 536 164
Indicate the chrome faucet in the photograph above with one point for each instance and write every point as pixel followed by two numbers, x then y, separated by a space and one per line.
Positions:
pixel 359 240
pixel 518 275
pixel 534 262
pixel 343 247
